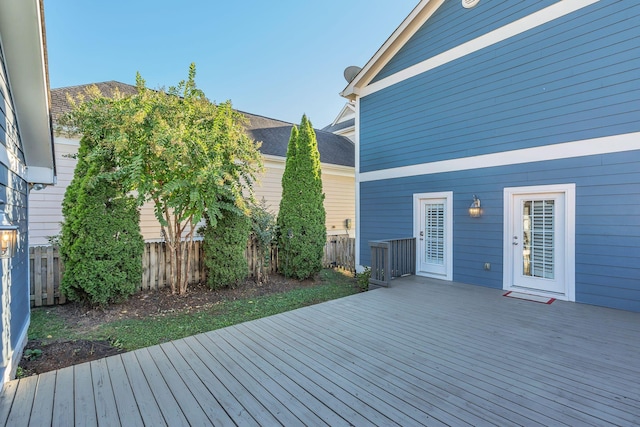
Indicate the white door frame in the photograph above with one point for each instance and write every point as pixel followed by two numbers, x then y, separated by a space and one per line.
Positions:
pixel 569 191
pixel 448 196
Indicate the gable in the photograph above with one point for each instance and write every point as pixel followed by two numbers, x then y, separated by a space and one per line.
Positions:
pixel 452 25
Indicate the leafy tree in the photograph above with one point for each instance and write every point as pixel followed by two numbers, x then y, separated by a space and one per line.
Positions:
pixel 185 154
pixel 301 218
pixel 101 245
pixel 224 249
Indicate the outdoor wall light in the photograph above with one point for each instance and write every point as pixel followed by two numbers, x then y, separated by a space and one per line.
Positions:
pixel 8 234
pixel 347 223
pixel 475 211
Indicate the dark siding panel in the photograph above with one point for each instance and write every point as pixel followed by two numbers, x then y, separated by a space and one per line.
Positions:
pixel 607 220
pixel 572 79
pixel 452 25
pixel 13 190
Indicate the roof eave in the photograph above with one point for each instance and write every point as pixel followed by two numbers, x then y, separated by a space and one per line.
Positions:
pixel 418 16
pixel 22 35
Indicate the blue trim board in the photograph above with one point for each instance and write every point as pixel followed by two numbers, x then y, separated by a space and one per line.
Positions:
pixel 607 220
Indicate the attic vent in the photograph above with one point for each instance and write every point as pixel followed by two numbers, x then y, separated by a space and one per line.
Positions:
pixel 468 4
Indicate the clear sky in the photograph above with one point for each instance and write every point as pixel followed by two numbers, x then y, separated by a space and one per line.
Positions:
pixel 278 59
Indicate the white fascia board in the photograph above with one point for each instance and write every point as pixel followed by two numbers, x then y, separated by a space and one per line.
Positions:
pixel 22 37
pixel 412 23
pixel 40 175
pixel 348 111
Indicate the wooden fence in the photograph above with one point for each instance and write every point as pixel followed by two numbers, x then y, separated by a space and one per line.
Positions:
pixel 46 269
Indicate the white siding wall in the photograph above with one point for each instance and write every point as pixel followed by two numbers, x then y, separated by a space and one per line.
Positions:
pixel 45 206
pixel 45 209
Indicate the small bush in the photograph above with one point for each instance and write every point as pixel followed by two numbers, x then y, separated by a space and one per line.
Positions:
pixel 263 227
pixel 363 279
pixel 225 242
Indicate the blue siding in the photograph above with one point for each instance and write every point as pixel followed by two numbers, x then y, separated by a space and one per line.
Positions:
pixel 607 220
pixel 574 78
pixel 452 25
pixel 13 189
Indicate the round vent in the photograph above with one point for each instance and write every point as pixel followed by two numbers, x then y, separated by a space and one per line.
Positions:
pixel 468 4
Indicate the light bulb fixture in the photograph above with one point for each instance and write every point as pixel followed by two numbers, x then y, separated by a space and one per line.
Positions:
pixel 475 211
pixel 8 234
pixel 347 223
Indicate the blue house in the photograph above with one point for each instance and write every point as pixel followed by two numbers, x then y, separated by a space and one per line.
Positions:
pixel 26 162
pixel 505 137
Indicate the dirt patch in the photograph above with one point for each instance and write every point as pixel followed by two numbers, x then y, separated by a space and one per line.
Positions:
pixel 60 353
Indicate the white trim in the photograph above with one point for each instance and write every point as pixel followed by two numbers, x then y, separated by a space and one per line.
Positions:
pixel 40 175
pixel 345 114
pixel 448 196
pixel 566 150
pixel 12 364
pixel 411 24
pixel 512 29
pixel 356 142
pixel 569 191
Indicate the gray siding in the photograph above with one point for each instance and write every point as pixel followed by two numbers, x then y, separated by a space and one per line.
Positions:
pixel 607 220
pixel 571 79
pixel 13 189
pixel 452 25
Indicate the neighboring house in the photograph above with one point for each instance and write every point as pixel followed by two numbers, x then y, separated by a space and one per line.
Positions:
pixel 26 159
pixel 345 122
pixel 336 156
pixel 533 107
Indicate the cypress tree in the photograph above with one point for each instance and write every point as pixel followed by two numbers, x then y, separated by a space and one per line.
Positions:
pixel 301 218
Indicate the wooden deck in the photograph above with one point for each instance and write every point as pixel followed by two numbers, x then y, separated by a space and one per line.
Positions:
pixel 421 352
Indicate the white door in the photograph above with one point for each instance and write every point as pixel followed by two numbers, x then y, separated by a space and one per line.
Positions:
pixel 537 241
pixel 432 212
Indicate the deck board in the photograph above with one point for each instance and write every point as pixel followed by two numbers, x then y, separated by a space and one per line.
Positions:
pixel 421 352
pixel 42 410
pixel 23 401
pixel 456 360
pixel 212 408
pixel 167 402
pixel 125 400
pixel 132 373
pixel 63 405
pixel 84 402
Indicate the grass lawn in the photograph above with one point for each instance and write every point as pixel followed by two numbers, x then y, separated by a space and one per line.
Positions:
pixel 134 333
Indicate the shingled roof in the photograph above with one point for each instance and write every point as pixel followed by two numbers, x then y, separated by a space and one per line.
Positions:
pixel 274 134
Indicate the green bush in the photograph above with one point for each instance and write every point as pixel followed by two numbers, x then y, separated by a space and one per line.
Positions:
pixel 301 218
pixel 100 244
pixel 363 279
pixel 225 242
